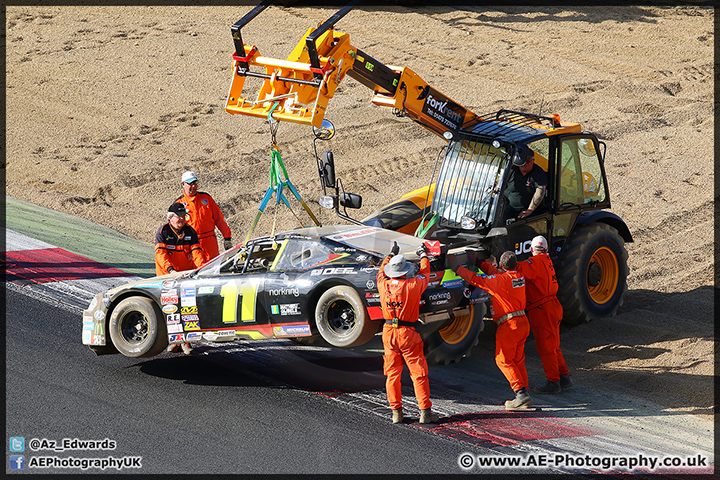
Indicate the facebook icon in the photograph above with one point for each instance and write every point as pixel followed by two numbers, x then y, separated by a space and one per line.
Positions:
pixel 17 462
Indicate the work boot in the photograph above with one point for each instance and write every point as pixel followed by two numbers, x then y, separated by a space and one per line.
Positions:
pixel 187 349
pixel 565 381
pixel 550 388
pixel 397 415
pixel 426 416
pixel 173 348
pixel 522 400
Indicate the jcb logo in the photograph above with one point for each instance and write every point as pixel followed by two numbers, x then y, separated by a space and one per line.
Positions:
pixel 524 247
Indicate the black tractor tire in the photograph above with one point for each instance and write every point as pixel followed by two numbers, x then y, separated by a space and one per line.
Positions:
pixel 342 319
pixel 457 338
pixel 137 328
pixel 592 274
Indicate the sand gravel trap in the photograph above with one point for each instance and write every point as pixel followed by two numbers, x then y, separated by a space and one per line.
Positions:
pixel 106 107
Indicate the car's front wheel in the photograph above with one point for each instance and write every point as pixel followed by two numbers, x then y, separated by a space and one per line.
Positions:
pixel 342 319
pixel 137 328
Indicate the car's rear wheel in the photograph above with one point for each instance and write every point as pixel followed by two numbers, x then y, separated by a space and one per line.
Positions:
pixel 592 274
pixel 137 328
pixel 342 319
pixel 457 338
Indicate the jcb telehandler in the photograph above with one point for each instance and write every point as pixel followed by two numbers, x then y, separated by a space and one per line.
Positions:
pixel 464 206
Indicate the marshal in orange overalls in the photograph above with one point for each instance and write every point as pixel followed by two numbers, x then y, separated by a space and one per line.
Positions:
pixel 204 216
pixel 508 302
pixel 400 298
pixel 544 312
pixel 177 249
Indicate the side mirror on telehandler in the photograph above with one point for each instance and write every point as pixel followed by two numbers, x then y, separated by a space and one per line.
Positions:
pixel 327 169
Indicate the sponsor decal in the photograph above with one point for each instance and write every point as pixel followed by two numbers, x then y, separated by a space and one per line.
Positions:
pixel 226 333
pixel 453 283
pixel 99 315
pixel 173 318
pixel 192 325
pixel 204 201
pixel 175 328
pixel 87 337
pixel 518 282
pixel 291 330
pixel 99 329
pixel 167 299
pixel 277 292
pixel 150 285
pixel 441 302
pixel 440 295
pixel 88 319
pixel 189 310
pixel 205 290
pixel 362 258
pixel 176 338
pixel 190 318
pixel 466 292
pixel 188 237
pixel 93 303
pixel 370 285
pixel 169 283
pixel 369 269
pixel 286 309
pixel 170 308
pixel 97 340
pixel 334 271
pixel 290 309
pixel 187 297
pixel 193 336
pixel 442 109
pixel 352 234
pixel 169 291
pixel 211 336
pixel 524 247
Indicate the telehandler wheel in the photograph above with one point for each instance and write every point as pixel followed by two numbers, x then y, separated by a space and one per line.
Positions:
pixel 592 274
pixel 456 339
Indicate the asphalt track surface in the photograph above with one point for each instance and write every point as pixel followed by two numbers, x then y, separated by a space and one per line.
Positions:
pixel 273 406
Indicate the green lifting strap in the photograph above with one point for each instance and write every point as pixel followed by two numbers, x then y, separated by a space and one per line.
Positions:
pixel 277 184
pixel 423 228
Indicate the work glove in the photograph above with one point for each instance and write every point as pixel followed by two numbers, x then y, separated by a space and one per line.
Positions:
pixel 394 250
pixel 171 270
pixel 228 243
pixel 421 251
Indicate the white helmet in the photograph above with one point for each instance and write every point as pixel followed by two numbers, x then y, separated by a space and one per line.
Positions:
pixel 539 244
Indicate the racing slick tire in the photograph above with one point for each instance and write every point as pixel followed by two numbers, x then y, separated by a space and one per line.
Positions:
pixel 137 328
pixel 592 274
pixel 456 339
pixel 342 319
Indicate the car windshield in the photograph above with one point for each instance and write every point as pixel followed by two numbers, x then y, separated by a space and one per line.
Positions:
pixel 468 182
pixel 377 240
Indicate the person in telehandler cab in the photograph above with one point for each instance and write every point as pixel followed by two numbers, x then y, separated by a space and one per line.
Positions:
pixel 526 186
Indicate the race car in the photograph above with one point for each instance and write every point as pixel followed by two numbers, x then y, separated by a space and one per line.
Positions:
pixel 305 283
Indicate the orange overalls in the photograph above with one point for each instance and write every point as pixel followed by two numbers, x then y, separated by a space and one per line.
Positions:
pixel 545 313
pixel 400 299
pixel 508 302
pixel 180 250
pixel 204 216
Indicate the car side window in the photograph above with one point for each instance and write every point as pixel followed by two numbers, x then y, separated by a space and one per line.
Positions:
pixel 580 172
pixel 301 254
